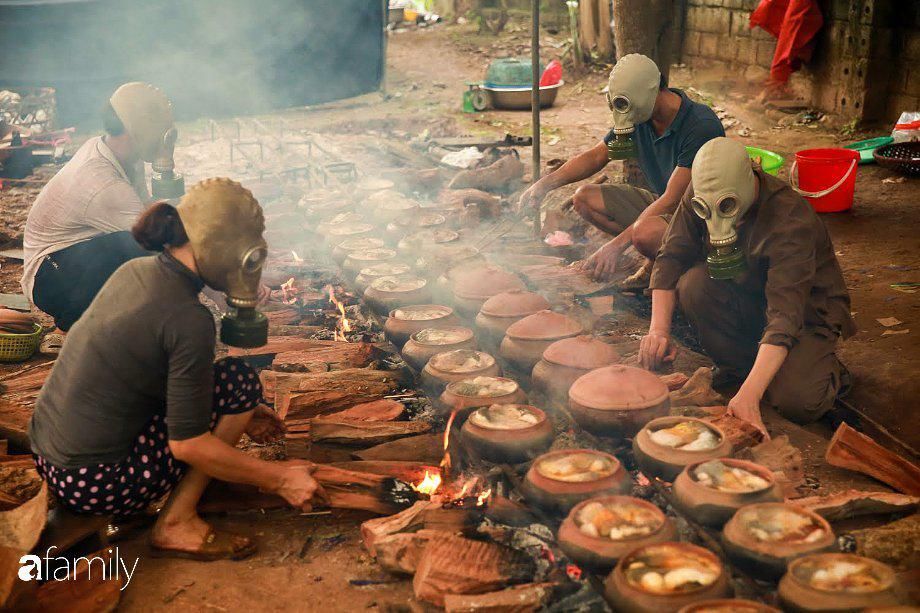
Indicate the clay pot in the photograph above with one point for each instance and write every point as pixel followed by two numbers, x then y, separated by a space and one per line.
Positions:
pixel 797 593
pixel 600 553
pixel 320 206
pixel 616 401
pixel 517 261
pixel 352 245
pixel 624 595
pixel 552 493
pixel 565 361
pixel 447 367
pixel 367 188
pixel 384 269
pixel 355 261
pixel 388 293
pixel 712 507
pixel 397 208
pixel 336 221
pixel 423 242
pixel 472 288
pixel 423 345
pixel 456 398
pixel 399 228
pixel 506 308
pixel 527 339
pixel 463 260
pixel 507 445
pixel 404 322
pixel 342 232
pixel 665 462
pixel 728 605
pixel 769 559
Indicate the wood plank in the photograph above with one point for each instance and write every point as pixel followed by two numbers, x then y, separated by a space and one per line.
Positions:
pixel 855 451
pixel 312 394
pixel 517 599
pixel 426 448
pixel 364 433
pixel 338 356
pixel 854 503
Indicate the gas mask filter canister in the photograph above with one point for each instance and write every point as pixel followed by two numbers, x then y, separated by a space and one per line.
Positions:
pixel 224 224
pixel 724 187
pixel 631 94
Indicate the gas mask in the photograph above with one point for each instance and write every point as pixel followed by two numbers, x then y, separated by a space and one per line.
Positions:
pixel 224 224
pixel 631 94
pixel 146 114
pixel 724 188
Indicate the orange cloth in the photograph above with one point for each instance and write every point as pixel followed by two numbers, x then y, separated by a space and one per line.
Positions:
pixel 794 23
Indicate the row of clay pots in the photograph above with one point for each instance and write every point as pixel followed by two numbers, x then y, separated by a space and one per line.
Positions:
pixel 425 344
pixel 506 308
pixel 442 369
pixel 507 445
pixel 385 294
pixel 617 401
pixel 665 462
pixel 526 340
pixel 565 361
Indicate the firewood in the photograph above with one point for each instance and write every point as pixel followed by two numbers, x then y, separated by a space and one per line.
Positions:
pixel 674 381
pixel 337 356
pixel 410 472
pixel 457 565
pixel 305 395
pixel 377 410
pixel 699 412
pixel 697 391
pixel 783 459
pixel 14 420
pixel 283 317
pixel 498 176
pixel 4 447
pixel 280 344
pixel 22 521
pixel 455 520
pixel 517 599
pixel 742 434
pixel 87 590
pixel 408 520
pixel 364 433
pixel 427 448
pixel 299 331
pixel 459 198
pixel 894 543
pixel 855 451
pixel 853 503
pixel 400 553
pixel 348 489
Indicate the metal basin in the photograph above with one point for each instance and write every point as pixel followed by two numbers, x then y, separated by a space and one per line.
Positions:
pixel 518 98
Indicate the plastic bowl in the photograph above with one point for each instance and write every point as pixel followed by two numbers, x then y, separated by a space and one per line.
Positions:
pixel 770 162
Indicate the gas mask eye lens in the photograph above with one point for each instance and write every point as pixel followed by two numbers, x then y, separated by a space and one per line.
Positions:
pixel 728 206
pixel 254 259
pixel 620 104
pixel 699 207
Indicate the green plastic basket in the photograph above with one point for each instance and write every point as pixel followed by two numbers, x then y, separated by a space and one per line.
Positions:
pixel 19 347
pixel 769 161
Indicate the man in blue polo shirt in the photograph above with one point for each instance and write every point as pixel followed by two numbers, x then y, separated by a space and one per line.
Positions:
pixel 668 129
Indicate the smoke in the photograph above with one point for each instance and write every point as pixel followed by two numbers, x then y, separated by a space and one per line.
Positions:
pixel 212 57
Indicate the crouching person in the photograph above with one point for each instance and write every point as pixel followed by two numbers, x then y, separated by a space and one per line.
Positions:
pixel 753 268
pixel 136 408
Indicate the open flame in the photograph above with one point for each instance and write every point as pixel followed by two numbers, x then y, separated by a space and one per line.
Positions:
pixel 429 485
pixel 289 292
pixel 297 258
pixel 343 326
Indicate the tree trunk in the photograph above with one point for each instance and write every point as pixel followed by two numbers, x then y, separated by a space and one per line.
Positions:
pixel 646 27
pixel 587 23
pixel 604 33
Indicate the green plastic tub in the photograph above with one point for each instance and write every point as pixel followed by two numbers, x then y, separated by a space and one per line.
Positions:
pixel 867 147
pixel 769 161
pixel 510 72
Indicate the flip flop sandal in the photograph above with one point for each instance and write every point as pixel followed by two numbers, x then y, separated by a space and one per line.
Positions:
pixel 51 344
pixel 217 545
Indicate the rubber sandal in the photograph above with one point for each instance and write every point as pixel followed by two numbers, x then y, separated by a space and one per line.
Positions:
pixel 217 545
pixel 51 344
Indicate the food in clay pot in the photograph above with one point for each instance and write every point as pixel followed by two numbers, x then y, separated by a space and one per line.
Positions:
pixel 375 271
pixel 664 578
pixel 506 308
pixel 527 339
pixel 446 265
pixel 476 392
pixel 399 228
pixel 403 322
pixel 428 342
pixel 600 531
pixel 322 205
pixel 394 208
pixel 710 492
pixel 616 401
pixel 355 261
pixel 456 365
pixel 388 293
pixel 351 245
pixel 728 605
pixel 763 538
pixel 473 287
pixel 338 234
pixel 559 480
pixel 370 187
pixel 507 433
pixel 565 361
pixel 838 582
pixel 336 221
pixel 668 444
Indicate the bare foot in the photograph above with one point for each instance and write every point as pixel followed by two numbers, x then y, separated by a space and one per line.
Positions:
pixel 188 534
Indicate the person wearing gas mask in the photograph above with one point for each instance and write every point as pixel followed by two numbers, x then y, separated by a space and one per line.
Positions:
pixel 135 407
pixel 78 230
pixel 753 268
pixel 664 129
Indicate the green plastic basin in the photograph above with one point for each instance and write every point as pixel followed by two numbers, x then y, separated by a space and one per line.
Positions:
pixel 867 147
pixel 769 161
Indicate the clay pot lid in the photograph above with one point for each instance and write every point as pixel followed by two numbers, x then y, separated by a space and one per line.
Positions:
pixel 802 569
pixel 694 557
pixel 373 254
pixel 361 243
pixel 374 185
pixel 735 605
pixel 402 204
pixel 544 325
pixel 461 361
pixel 341 219
pixel 466 387
pixel 398 284
pixel 756 469
pixel 505 417
pixel 385 269
pixel 575 515
pixel 351 228
pixel 553 466
pixel 483 282
pixel 514 303
pixel 448 335
pixel 582 352
pixel 618 387
pixel 422 312
pixel 428 220
pixel 764 511
pixel 431 236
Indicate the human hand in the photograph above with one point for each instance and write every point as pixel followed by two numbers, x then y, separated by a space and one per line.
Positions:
pixel 265 426
pixel 655 349
pixel 603 263
pixel 746 405
pixel 265 293
pixel 531 198
pixel 297 485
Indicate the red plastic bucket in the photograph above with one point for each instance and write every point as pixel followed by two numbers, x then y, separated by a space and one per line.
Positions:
pixel 825 177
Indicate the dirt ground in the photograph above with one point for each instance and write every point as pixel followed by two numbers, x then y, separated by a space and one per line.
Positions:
pixel 310 563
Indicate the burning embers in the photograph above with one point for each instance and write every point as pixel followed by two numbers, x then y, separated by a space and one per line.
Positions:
pixel 343 326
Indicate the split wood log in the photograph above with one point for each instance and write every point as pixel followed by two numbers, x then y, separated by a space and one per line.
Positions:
pixel 377 529
pixel 854 503
pixel 400 552
pixel 22 520
pixel 337 356
pixel 14 421
pixel 855 451
pixel 17 461
pixel 451 520
pixel 697 391
pixel 674 381
pixel 518 599
pixel 377 410
pixel 86 591
pixel 283 317
pixel 298 331
pixel 348 489
pixel 410 472
pixel 26 383
pixel 783 459
pixel 894 543
pixel 742 434
pixel 426 448
pixel 457 565
pixel 307 395
pixel 4 447
pixel 498 176
pixel 363 433
pixel 280 344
